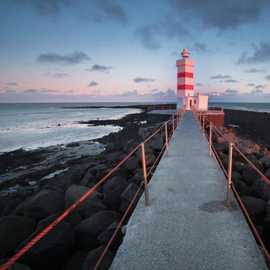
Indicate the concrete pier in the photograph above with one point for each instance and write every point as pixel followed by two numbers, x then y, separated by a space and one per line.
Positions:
pixel 187 226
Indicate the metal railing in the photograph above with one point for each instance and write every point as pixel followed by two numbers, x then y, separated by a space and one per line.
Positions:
pixel 211 132
pixel 166 129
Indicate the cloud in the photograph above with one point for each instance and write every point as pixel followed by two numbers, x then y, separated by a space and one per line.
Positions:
pixel 199 84
pixel 255 70
pixel 260 86
pixel 230 81
pixel 92 83
pixel 225 15
pixel 40 91
pixel 142 80
pixel 200 47
pixel 99 11
pixel 221 77
pixel 109 10
pixel 256 92
pixel 11 84
pixel 76 57
pixel 260 54
pixel 251 84
pixel 57 75
pixel 45 7
pixel 99 68
pixel 231 92
pixel 151 35
pixel 267 77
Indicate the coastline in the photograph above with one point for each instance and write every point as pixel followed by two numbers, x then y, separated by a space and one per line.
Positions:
pixel 47 182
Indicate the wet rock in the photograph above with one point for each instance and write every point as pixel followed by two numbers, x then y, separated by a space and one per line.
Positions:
pixel 16 266
pixel 267 173
pixel 127 196
pixel 157 143
pixel 99 171
pixel 76 261
pixel 238 166
pixel 14 230
pixel 242 188
pixel 112 190
pixel 249 175
pixel 89 229
pixel 266 162
pixel 256 208
pixel 236 175
pixel 90 206
pixel 88 178
pixel 93 257
pixel 261 190
pixel 52 250
pixel 73 144
pixel 105 236
pixel 132 164
pixel 44 203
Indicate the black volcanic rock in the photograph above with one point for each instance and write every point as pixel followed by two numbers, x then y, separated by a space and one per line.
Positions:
pixel 14 230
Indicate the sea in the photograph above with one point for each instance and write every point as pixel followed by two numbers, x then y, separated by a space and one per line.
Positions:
pixel 34 125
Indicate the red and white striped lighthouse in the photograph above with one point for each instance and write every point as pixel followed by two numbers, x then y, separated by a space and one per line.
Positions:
pixel 185 66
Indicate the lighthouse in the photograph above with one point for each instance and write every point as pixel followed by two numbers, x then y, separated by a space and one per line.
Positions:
pixel 185 85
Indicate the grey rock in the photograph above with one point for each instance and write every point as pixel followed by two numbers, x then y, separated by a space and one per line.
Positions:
pixel 44 203
pixel 90 206
pixel 89 229
pixel 93 257
pixel 14 230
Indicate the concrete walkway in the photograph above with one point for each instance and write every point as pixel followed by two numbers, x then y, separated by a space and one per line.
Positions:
pixel 187 226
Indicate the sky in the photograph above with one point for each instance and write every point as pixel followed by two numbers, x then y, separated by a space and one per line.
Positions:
pixel 121 50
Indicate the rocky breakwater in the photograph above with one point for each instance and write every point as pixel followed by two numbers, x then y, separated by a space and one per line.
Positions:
pixel 254 191
pixel 78 241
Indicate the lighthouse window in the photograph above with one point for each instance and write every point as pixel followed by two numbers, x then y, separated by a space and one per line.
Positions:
pixel 194 101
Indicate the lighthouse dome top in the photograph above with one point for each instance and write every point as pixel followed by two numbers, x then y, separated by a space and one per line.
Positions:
pixel 185 53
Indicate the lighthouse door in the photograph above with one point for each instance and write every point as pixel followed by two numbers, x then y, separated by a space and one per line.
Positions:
pixel 190 103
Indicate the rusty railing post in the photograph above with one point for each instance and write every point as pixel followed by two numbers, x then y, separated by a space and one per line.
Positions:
pixel 210 139
pixel 166 136
pixel 203 123
pixel 172 123
pixel 229 180
pixel 146 190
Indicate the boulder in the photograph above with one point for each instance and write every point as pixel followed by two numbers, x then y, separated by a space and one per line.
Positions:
pixel 255 161
pixel 127 196
pixel 265 161
pixel 76 261
pixel 236 176
pixel 90 206
pixel 238 166
pixel 249 175
pixel 132 164
pixel 267 173
pixel 105 236
pixel 242 188
pixel 53 249
pixel 157 143
pixel 14 230
pixel 99 171
pixel 256 208
pixel 261 190
pixel 16 266
pixel 88 178
pixel 43 204
pixel 94 255
pixel 89 229
pixel 112 190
